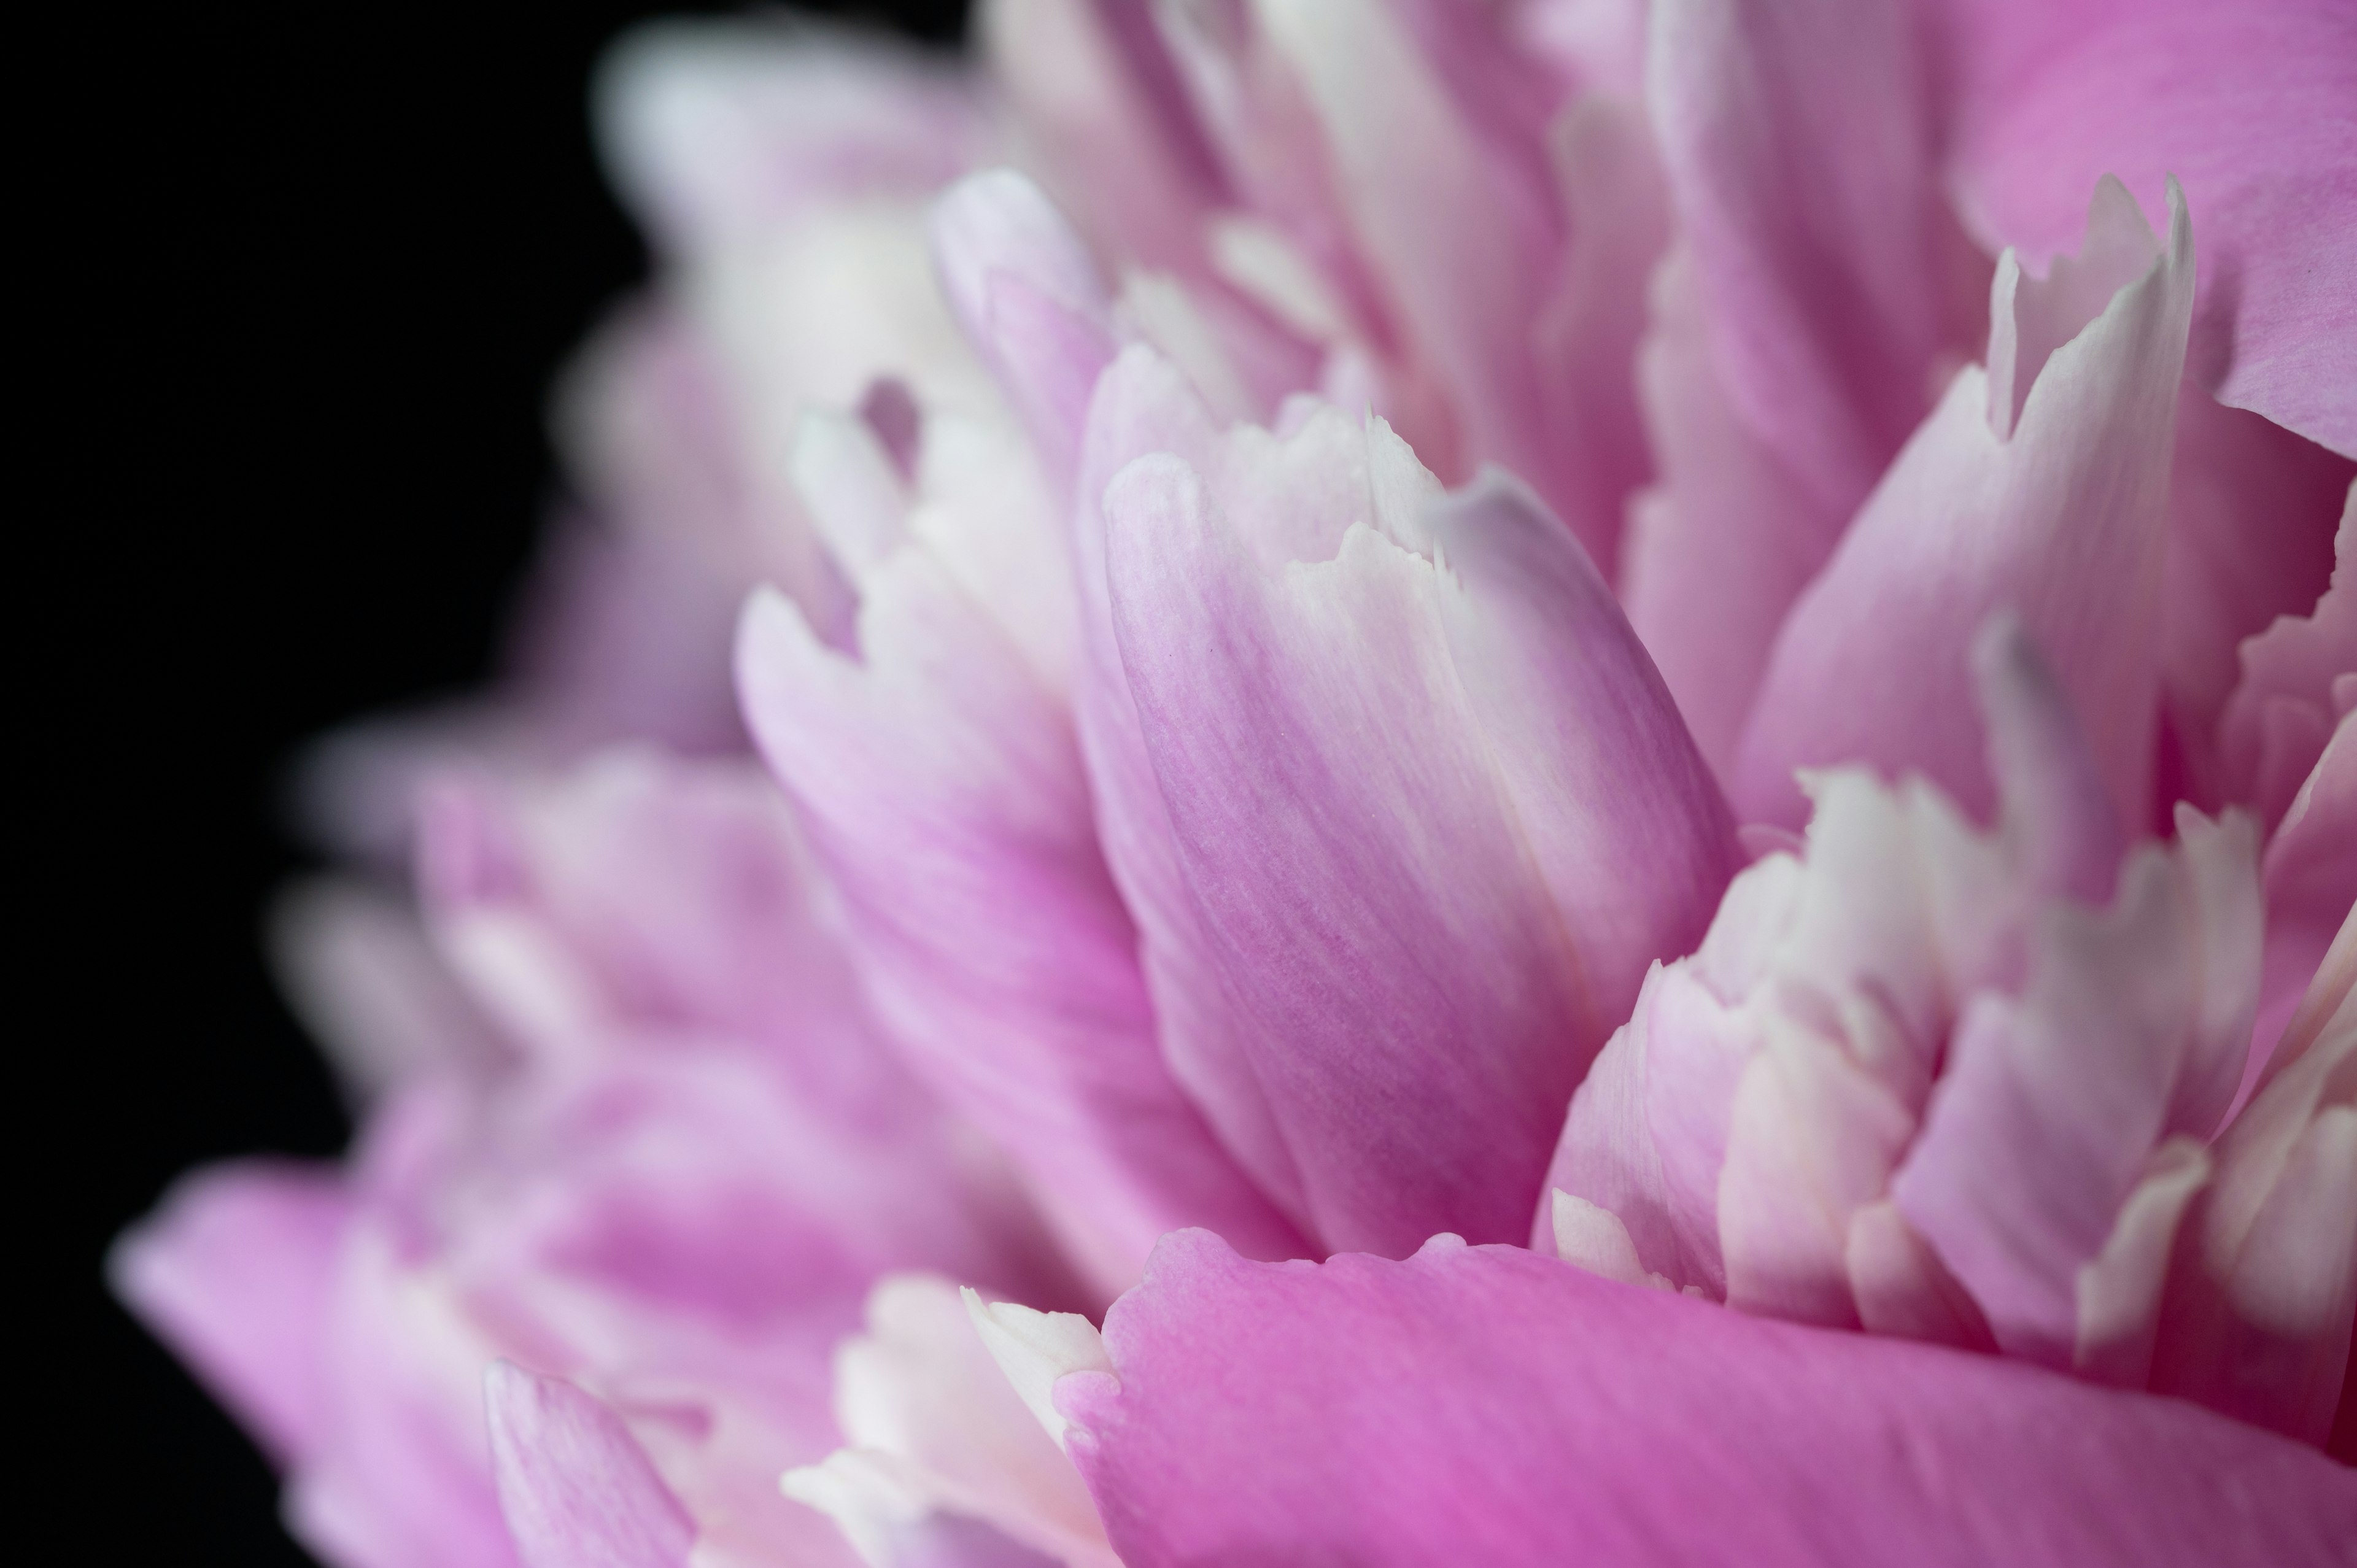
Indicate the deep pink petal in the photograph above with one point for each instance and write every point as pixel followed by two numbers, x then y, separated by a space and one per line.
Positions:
pixel 2247 105
pixel 1490 1404
pixel 576 1488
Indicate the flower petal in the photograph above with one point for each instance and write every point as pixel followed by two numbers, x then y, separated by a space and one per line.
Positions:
pixel 1297 709
pixel 2063 521
pixel 235 1271
pixel 2247 106
pixel 1490 1401
pixel 576 1488
pixel 941 785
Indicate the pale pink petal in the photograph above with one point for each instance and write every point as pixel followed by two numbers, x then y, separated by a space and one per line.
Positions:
pixel 356 965
pixel 575 1487
pixel 1595 1240
pixel 1623 818
pixel 403 1474
pixel 715 130
pixel 2043 1119
pixel 1491 1403
pixel 1293 707
pixel 1812 1138
pixel 938 1441
pixel 1903 1289
pixel 1101 100
pixel 1797 144
pixel 2275 725
pixel 664 442
pixel 1030 299
pixel 236 1272
pixel 1459 241
pixel 1717 551
pixel 1646 1133
pixel 643 895
pixel 2246 105
pixel 2119 1290
pixel 2311 882
pixel 2062 521
pixel 943 787
pixel 1294 722
pixel 1144 405
pixel 2258 1318
pixel 1587 342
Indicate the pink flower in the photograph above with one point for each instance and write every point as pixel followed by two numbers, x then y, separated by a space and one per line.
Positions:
pixel 1708 637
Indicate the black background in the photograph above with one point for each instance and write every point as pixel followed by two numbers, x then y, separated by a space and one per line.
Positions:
pixel 301 282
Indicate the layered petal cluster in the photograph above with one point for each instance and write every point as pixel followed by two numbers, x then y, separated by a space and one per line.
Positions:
pixel 669 1172
pixel 1968 1087
pixel 1392 782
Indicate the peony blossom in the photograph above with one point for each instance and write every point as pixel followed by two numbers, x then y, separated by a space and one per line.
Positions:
pixel 1401 782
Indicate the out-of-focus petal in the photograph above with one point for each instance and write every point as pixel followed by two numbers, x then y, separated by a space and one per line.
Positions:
pixel 2247 105
pixel 1298 704
pixel 2063 520
pixel 575 1487
pixel 1100 99
pixel 356 965
pixel 1491 1400
pixel 235 1271
pixel 1031 301
pixel 1459 240
pixel 641 895
pixel 714 130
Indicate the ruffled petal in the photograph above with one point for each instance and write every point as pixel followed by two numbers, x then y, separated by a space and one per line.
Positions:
pixel 1297 707
pixel 2246 105
pixel 1489 1401
pixel 2061 517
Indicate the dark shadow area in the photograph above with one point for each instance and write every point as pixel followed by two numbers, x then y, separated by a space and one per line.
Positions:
pixel 305 281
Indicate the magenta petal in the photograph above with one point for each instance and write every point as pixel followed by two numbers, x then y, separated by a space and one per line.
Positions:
pixel 576 1488
pixel 1486 1404
pixel 236 1272
pixel 2248 106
